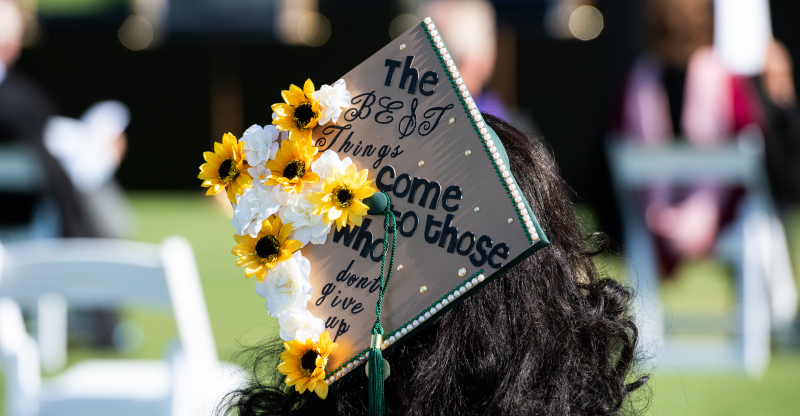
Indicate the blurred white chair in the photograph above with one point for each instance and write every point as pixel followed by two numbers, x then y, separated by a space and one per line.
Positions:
pixel 755 244
pixel 49 275
pixel 21 171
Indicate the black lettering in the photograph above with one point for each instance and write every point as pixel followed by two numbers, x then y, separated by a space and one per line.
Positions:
pixel 326 290
pixel 466 235
pixel 342 329
pixel 347 303
pixel 366 236
pixel 392 64
pixel 428 187
pixel 500 250
pixel 347 233
pixel 382 153
pixel 351 278
pixel 431 78
pixel 357 149
pixel 388 108
pixel 372 255
pixel 425 127
pixel 379 180
pixel 452 232
pixel 334 302
pixel 479 248
pixel 357 308
pixel 363 283
pixel 452 192
pixel 408 71
pixel 331 322
pixel 408 123
pixel 366 100
pixel 328 130
pixel 396 152
pixel 342 276
pixel 376 284
pixel 430 223
pixel 369 150
pixel 347 145
pixel 405 191
pixel 402 227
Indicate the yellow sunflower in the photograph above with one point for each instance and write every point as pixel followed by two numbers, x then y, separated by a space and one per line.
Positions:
pixel 269 247
pixel 225 168
pixel 340 199
pixel 304 362
pixel 292 165
pixel 300 113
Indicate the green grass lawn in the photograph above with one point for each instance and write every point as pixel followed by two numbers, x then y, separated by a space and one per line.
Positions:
pixel 238 315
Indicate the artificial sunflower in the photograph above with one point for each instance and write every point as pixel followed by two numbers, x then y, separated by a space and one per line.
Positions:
pixel 300 113
pixel 292 165
pixel 269 247
pixel 225 169
pixel 340 199
pixel 304 362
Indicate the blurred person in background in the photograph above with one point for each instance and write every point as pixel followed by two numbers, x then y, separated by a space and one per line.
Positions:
pixel 24 110
pixel 680 90
pixel 469 26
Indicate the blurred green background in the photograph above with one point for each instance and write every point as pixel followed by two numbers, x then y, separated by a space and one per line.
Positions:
pixel 238 315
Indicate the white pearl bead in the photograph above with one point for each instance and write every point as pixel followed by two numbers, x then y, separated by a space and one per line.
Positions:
pixel 427 20
pixel 484 131
pixel 451 298
pixel 487 136
pixel 440 44
pixel 422 319
pixel 350 366
pixel 456 74
pixel 478 117
pixel 474 281
pixel 468 285
pixel 534 236
pixel 445 302
pixel 446 56
pixel 443 51
pixel 481 277
pixel 503 168
pixel 513 193
pixel 512 187
pixel 489 142
pixel 433 310
pixel 456 293
pixel 451 67
pixel 415 323
pixel 481 124
pixel 520 205
pixel 437 38
pixel 344 371
pixel 471 106
pixel 492 149
pixel 523 212
pixel 434 32
pixel 392 338
pixel 504 174
pixel 496 156
pixel 462 87
pixel 403 331
pixel 509 181
pixel 526 217
pixel 459 81
pixel 463 289
pixel 427 315
pixel 529 223
pixel 439 306
pixel 431 26
pixel 516 198
pixel 474 113
pixel 465 94
pixel 409 327
pixel 470 100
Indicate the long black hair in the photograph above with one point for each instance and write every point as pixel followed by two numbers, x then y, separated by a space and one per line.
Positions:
pixel 549 337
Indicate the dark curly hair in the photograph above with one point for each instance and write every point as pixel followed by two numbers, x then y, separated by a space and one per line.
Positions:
pixel 549 337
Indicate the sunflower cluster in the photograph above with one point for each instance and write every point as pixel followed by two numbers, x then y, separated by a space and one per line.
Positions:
pixel 285 195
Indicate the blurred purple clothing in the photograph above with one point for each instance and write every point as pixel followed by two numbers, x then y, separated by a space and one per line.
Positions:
pixel 490 102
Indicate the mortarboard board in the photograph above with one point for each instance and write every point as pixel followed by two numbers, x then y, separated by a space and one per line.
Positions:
pixel 396 149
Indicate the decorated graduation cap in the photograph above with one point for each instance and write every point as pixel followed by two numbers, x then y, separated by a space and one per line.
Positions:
pixel 369 207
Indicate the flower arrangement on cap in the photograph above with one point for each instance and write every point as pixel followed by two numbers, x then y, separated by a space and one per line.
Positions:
pixel 285 195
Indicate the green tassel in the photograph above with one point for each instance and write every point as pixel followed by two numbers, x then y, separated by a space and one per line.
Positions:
pixel 377 404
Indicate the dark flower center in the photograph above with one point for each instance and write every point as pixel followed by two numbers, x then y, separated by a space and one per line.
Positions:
pixel 342 196
pixel 267 248
pixel 227 170
pixel 294 169
pixel 308 362
pixel 303 114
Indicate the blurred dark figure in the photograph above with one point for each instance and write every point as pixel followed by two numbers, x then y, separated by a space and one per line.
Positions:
pixel 24 109
pixel 679 90
pixel 782 142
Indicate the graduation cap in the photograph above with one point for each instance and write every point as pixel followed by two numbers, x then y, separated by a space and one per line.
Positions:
pixel 389 172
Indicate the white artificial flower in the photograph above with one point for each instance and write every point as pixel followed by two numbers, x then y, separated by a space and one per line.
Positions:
pixel 328 161
pixel 260 144
pixel 332 98
pixel 298 211
pixel 286 285
pixel 298 323
pixel 252 208
pixel 260 173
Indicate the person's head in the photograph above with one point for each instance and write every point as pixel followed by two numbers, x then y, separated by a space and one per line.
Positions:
pixel 678 28
pixel 11 31
pixel 469 27
pixel 550 336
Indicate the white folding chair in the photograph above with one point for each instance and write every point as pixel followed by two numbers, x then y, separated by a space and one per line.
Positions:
pixel 755 244
pixel 49 275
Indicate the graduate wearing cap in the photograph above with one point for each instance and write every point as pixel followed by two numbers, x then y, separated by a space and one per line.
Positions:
pixel 419 257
